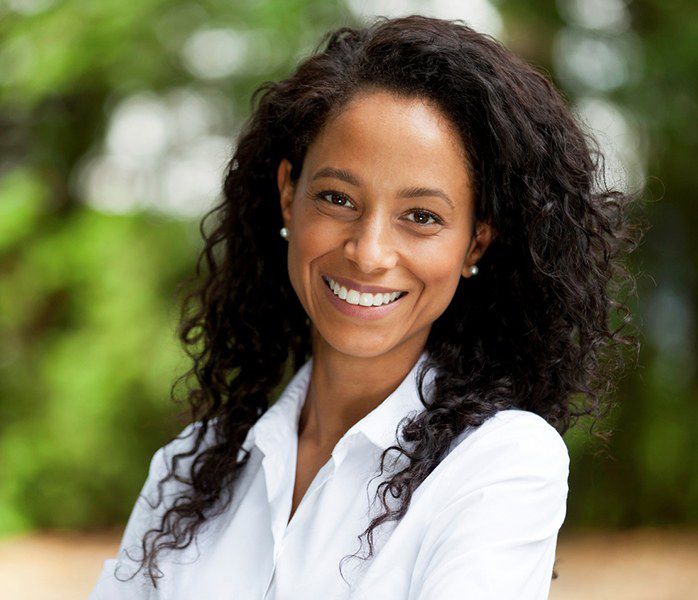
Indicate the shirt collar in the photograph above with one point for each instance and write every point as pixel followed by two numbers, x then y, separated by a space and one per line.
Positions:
pixel 277 426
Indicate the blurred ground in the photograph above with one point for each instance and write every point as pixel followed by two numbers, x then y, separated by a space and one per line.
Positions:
pixel 647 564
pixel 639 565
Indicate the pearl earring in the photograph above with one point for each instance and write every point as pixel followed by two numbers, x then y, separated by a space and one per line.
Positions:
pixel 284 233
pixel 474 270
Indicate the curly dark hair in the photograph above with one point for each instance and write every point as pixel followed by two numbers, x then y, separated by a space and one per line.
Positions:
pixel 532 331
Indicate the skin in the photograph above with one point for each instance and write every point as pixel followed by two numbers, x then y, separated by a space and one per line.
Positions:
pixel 369 234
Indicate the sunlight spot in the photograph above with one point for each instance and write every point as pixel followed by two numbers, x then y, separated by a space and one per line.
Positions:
pixel 619 139
pixel 161 153
pixel 481 15
pixel 597 63
pixel 139 128
pixel 215 53
pixel 611 16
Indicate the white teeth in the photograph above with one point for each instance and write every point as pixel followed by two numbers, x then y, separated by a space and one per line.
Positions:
pixel 362 298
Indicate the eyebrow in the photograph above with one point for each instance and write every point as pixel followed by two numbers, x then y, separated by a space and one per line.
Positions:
pixel 409 192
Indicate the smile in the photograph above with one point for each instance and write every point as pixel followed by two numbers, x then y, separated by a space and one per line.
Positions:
pixel 362 305
pixel 355 297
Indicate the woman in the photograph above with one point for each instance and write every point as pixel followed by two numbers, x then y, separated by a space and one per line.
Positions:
pixel 437 273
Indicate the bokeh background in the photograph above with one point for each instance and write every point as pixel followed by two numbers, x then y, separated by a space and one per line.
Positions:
pixel 116 120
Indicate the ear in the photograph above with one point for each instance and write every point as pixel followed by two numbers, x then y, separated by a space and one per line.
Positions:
pixel 286 190
pixel 484 233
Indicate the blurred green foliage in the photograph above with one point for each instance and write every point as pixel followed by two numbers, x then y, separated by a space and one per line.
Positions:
pixel 88 297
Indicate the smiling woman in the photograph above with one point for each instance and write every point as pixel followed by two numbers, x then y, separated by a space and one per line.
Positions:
pixel 441 289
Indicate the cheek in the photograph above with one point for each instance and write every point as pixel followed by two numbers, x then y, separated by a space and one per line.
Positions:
pixel 441 270
pixel 311 242
pixel 443 285
pixel 316 234
pixel 442 264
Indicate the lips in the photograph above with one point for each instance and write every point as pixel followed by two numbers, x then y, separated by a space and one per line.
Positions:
pixel 329 287
pixel 363 306
pixel 350 284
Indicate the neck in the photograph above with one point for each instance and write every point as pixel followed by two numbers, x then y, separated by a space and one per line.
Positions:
pixel 343 389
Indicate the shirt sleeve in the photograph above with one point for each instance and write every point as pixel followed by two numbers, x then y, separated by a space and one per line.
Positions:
pixel 109 586
pixel 115 580
pixel 495 538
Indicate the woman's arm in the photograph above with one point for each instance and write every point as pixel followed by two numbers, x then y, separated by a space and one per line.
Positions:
pixel 495 538
pixel 108 586
pixel 146 514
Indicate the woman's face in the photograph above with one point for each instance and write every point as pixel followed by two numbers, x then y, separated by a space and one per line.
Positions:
pixel 383 207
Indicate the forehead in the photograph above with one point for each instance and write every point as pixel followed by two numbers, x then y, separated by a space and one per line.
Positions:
pixel 392 139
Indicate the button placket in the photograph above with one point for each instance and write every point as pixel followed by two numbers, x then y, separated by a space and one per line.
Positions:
pixel 322 476
pixel 326 472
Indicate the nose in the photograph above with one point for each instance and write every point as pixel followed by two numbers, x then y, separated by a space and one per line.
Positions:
pixel 371 245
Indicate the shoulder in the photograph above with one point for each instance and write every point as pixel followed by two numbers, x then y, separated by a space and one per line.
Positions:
pixel 496 508
pixel 185 440
pixel 182 445
pixel 160 492
pixel 512 445
pixel 513 429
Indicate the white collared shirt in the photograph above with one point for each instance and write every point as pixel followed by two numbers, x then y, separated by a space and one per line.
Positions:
pixel 482 526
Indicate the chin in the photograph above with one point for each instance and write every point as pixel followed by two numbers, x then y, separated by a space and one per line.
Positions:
pixel 359 345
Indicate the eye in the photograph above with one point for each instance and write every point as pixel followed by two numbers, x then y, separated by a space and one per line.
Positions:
pixel 336 198
pixel 342 200
pixel 425 217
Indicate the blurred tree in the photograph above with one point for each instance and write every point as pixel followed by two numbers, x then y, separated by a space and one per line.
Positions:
pixel 87 295
pixel 652 477
pixel 112 112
